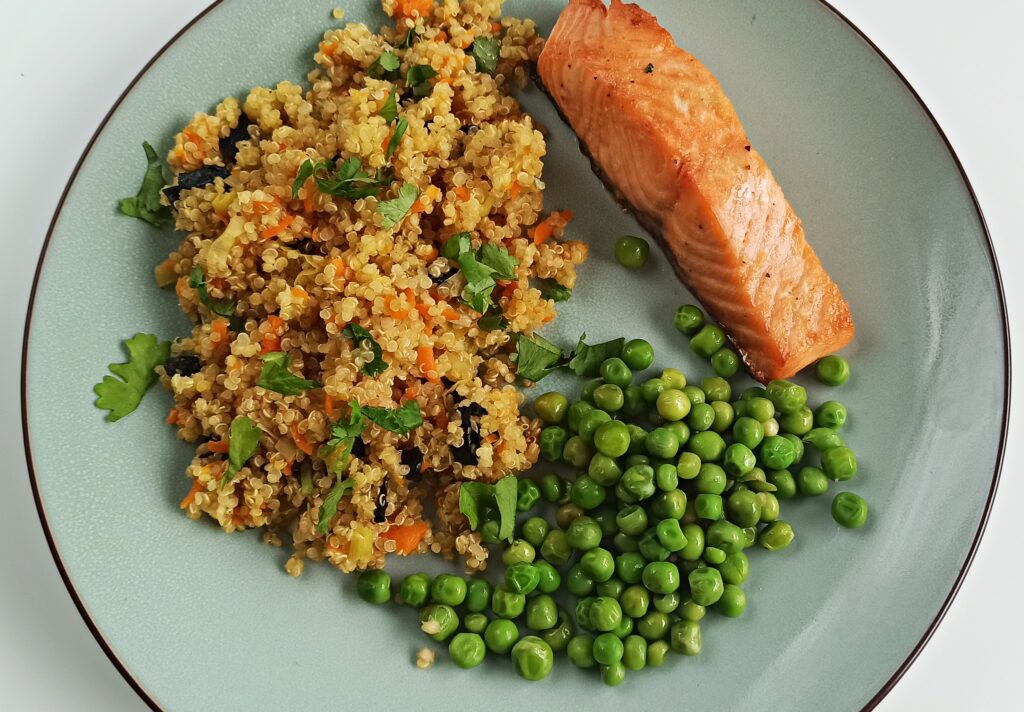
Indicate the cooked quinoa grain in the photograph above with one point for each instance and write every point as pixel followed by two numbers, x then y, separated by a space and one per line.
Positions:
pixel 286 267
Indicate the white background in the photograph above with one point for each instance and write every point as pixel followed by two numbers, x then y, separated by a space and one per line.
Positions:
pixel 64 62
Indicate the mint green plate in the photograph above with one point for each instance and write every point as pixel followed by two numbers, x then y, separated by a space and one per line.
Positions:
pixel 199 620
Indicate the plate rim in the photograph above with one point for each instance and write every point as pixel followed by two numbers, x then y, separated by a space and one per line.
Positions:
pixel 149 700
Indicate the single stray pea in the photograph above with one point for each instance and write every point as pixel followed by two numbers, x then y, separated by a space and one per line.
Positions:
pixel 533 658
pixel 500 635
pixel 689 319
pixel 725 362
pixel 638 354
pixel 374 586
pixel 467 650
pixel 849 510
pixel 631 251
pixel 833 370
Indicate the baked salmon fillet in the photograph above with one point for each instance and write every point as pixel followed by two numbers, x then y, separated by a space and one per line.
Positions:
pixel 659 127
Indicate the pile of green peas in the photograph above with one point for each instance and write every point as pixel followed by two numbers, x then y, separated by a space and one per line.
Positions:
pixel 673 483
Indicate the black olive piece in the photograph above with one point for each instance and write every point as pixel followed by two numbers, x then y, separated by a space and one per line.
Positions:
pixel 195 179
pixel 183 364
pixel 413 459
pixel 444 276
pixel 358 448
pixel 229 144
pixel 469 415
pixel 380 509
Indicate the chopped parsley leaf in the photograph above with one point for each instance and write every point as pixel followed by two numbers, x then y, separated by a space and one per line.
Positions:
pixel 536 357
pixel 400 128
pixel 390 109
pixel 417 79
pixel 364 339
pixel 398 420
pixel 145 205
pixel 243 439
pixel 588 359
pixel 394 211
pixel 385 66
pixel 486 51
pixel 220 307
pixel 122 395
pixel 350 181
pixel 275 376
pixel 476 498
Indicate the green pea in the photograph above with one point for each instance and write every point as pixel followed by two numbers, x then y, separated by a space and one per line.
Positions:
pixel 830 414
pixel 733 602
pixel 605 614
pixel 500 635
pixel 629 566
pixel 374 586
pixel 680 429
pixel 798 446
pixel 708 446
pixel 740 408
pixel 670 534
pixel 612 588
pixel 541 613
pixel 599 563
pixel 583 533
pixel 578 582
pixel 608 649
pixel 625 543
pixel 650 548
pixel 533 658
pixel 534 529
pixel 651 389
pixel 743 508
pixel 725 362
pixel 662 442
pixel 695 395
pixel 738 460
pixel 849 510
pixel 638 482
pixel 725 535
pixel 811 481
pixel 785 483
pixel 415 590
pixel 552 487
pixel 716 389
pixel 590 422
pixel 612 439
pixel 449 590
pixel 668 602
pixel 690 611
pixel 559 636
pixel 760 409
pixel 688 466
pixel 723 416
pixel 775 536
pixel 521 577
pixel 586 493
pixel 673 404
pixel 771 427
pixel 551 407
pixel 518 550
pixel 634 653
pixel 799 422
pixel 666 477
pixel 632 520
pixel 749 536
pixel 735 568
pixel 707 341
pixel 694 534
pixel 467 650
pixel 489 531
pixel 777 452
pixel 787 396
pixel 445 618
pixel 604 516
pixel 657 651
pixel 689 319
pixel 576 411
pixel 701 417
pixel 833 370
pixel 714 556
pixel 823 439
pixel 685 637
pixel 673 378
pixel 552 443
pixel 631 251
pixel 748 431
pixel 615 371
pixel 609 398
pixel 550 579
pixel 581 651
pixel 705 585
pixel 669 505
pixel 661 576
pixel 839 463
pixel 635 601
pixel 556 549
pixel 638 354
pixel 769 506
pixel 577 451
pixel 711 479
pixel 654 625
pixel 637 443
pixel 529 495
pixel 624 629
pixel 633 404
pixel 475 623
pixel 566 514
pixel 604 470
pixel 477 595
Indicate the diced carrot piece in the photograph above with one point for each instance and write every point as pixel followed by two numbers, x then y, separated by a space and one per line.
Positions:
pixel 301 442
pixel 219 331
pixel 219 446
pixel 428 363
pixel 329 405
pixel 276 230
pixel 495 27
pixel 566 215
pixel 411 392
pixel 191 496
pixel 172 416
pixel 270 343
pixel 515 189
pixel 300 294
pixel 418 207
pixel 328 47
pixel 450 314
pixel 406 537
pixel 542 231
pixel 462 193
pixel 442 420
pixel 307 204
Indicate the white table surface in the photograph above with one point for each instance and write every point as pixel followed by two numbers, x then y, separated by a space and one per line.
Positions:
pixel 64 62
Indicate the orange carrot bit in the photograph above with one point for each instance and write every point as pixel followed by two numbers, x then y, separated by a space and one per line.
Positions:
pixel 329 406
pixel 490 438
pixel 501 447
pixel 450 314
pixel 179 286
pixel 264 206
pixel 418 207
pixel 542 231
pixel 442 420
pixel 441 36
pixel 495 27
pixel 393 305
pixel 219 446
pixel 287 469
pixel 566 215
pixel 301 442
pixel 276 323
pixel 191 496
pixel 424 310
pixel 515 189
pixel 328 47
pixel 413 8
pixel 307 204
pixel 219 331
pixel 270 344
pixel 411 392
pixel 172 416
pixel 428 363
pixel 300 294
pixel 276 230
pixel 193 137
pixel 431 254
pixel 406 537
pixel 462 193
pixel 548 318
pixel 508 289
pixel 218 282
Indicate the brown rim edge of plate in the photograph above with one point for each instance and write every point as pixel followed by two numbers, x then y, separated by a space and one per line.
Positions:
pixel 878 696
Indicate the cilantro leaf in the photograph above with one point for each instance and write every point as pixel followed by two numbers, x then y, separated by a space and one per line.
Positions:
pixel 275 376
pixel 243 439
pixel 350 181
pixel 390 109
pixel 479 282
pixel 145 205
pixel 122 395
pixel 492 322
pixel 363 339
pixel 400 128
pixel 499 260
pixel 220 307
pixel 418 79
pixel 330 506
pixel 536 357
pixel 306 170
pixel 394 211
pixel 397 420
pixel 588 359
pixel 386 65
pixel 475 498
pixel 558 293
pixel 408 39
pixel 486 51
pixel 456 245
